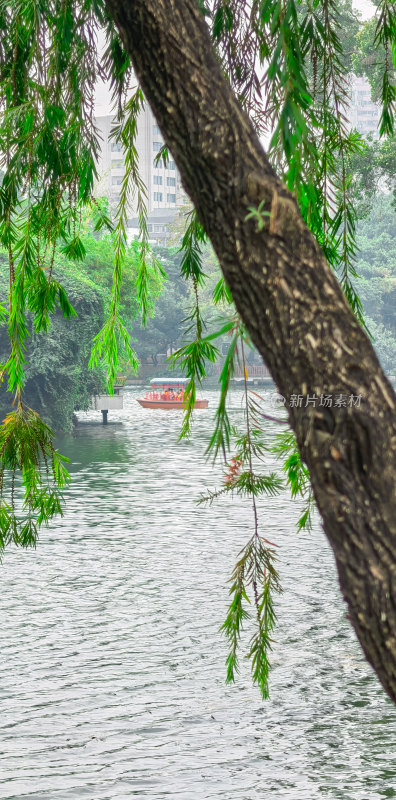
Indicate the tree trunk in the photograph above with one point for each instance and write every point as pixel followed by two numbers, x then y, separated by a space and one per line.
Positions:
pixel 291 304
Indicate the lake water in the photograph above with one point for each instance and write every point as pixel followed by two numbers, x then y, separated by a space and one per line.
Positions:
pixel 112 665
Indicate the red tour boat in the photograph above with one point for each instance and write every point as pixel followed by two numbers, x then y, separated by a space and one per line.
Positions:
pixel 168 393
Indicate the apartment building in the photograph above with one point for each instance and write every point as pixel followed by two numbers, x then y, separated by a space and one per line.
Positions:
pixel 165 193
pixel 364 114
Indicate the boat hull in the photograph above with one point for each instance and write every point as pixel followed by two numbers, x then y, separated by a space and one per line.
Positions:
pixel 170 403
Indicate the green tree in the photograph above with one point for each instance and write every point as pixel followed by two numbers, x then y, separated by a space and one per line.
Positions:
pixel 165 325
pixel 348 26
pixel 275 222
pixel 368 58
pixel 58 379
pixel 98 267
pixel 373 55
pixel 377 270
pixel 374 171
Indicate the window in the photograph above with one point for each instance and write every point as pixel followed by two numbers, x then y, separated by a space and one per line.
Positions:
pixel 116 147
pixel 158 196
pixel 156 130
pixel 158 180
pixel 171 181
pixel 117 164
pixel 157 146
pixel 149 227
pixel 171 198
pixel 116 180
pixel 171 165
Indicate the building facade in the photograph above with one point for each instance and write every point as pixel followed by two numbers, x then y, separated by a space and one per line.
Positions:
pixel 364 114
pixel 164 190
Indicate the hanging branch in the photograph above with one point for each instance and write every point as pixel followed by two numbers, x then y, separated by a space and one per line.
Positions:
pixel 49 146
pixel 114 334
pixel 192 357
pixel 255 574
pixel 385 34
pixel 338 146
pixel 26 448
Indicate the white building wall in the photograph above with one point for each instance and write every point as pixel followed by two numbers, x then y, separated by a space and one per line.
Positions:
pixel 164 190
pixel 364 114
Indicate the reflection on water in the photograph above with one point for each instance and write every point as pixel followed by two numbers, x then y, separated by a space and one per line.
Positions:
pixel 112 664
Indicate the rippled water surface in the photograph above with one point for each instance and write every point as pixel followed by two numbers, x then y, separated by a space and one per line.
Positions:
pixel 112 667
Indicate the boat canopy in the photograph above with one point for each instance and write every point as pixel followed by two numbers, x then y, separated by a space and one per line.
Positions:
pixel 169 381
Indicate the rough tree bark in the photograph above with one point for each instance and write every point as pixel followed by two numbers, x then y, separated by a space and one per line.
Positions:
pixel 290 302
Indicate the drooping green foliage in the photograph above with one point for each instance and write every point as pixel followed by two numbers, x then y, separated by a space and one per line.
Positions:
pixel 297 475
pixel 26 450
pixel 255 570
pixel 291 74
pixel 385 36
pixel 254 573
pixel 375 57
pixel 164 325
pixel 368 57
pixel 193 356
pixel 114 337
pixel 57 378
pixel 49 65
pixel 374 170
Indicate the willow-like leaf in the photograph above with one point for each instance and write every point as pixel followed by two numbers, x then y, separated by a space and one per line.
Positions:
pixel 28 457
pixel 254 581
pixel 298 480
pixel 385 34
pixel 220 439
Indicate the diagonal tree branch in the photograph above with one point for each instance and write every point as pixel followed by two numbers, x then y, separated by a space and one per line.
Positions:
pixel 290 303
